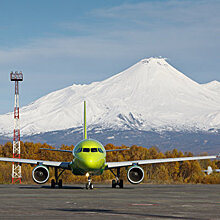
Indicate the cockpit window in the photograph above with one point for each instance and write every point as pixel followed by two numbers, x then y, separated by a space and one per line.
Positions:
pixel 86 149
pixel 100 150
pixel 79 150
pixel 94 150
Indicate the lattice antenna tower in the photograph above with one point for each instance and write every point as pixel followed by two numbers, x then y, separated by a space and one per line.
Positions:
pixel 16 167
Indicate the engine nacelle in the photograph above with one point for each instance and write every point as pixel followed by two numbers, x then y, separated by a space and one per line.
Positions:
pixel 40 174
pixel 135 175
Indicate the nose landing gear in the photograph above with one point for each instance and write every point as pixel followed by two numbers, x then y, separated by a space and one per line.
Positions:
pixel 89 184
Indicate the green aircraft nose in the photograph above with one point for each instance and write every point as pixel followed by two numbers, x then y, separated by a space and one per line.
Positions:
pixel 93 163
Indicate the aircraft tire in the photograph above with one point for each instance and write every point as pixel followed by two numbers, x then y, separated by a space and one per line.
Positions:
pixel 114 184
pixel 60 184
pixel 121 185
pixel 87 186
pixel 91 186
pixel 52 183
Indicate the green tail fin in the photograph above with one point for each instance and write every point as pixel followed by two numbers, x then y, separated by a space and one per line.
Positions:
pixel 85 129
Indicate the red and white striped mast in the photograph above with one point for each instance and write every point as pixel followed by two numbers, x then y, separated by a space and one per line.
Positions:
pixel 16 167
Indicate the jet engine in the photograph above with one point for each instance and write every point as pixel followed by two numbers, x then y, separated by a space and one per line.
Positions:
pixel 135 174
pixel 40 174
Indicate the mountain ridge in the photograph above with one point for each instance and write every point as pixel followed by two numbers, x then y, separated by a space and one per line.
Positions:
pixel 213 85
pixel 150 95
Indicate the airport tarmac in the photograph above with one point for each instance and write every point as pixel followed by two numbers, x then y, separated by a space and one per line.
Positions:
pixel 133 202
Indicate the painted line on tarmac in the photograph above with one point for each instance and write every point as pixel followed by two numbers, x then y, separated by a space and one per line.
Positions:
pixel 144 204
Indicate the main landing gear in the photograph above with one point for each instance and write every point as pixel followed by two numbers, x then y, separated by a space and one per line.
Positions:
pixel 117 181
pixel 56 181
pixel 89 184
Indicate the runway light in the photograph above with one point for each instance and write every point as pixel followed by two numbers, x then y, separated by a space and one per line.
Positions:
pixel 87 174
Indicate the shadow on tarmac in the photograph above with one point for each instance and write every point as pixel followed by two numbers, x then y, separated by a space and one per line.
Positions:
pixel 112 212
pixel 49 187
pixel 73 187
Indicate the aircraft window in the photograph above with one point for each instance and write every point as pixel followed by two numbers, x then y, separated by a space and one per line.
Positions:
pixel 100 150
pixel 86 149
pixel 79 150
pixel 94 150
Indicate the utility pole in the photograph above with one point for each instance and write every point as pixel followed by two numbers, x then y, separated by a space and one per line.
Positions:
pixel 16 167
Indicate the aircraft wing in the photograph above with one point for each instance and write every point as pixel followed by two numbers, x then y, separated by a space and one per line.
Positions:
pixel 64 165
pixel 58 150
pixel 110 165
pixel 116 150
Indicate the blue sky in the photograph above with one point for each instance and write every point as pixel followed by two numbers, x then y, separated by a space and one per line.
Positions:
pixel 58 43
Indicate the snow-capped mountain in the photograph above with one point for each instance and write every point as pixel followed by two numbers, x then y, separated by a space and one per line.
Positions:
pixel 213 85
pixel 150 95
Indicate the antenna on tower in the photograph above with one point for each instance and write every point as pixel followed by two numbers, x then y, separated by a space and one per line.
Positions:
pixel 16 168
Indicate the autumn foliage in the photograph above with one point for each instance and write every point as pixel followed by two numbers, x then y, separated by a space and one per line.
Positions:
pixel 166 173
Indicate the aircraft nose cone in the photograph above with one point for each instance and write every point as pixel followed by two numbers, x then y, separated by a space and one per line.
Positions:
pixel 92 164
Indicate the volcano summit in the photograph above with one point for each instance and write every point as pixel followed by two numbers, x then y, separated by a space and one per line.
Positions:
pixel 150 96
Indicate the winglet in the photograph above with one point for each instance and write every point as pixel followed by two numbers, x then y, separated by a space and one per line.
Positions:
pixel 85 129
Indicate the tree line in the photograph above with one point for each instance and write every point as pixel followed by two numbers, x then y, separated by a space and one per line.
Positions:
pixel 166 173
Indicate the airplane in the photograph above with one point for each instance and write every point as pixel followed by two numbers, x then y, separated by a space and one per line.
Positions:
pixel 89 160
pixel 210 170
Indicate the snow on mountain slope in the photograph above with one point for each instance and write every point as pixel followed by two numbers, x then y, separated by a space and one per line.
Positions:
pixel 149 95
pixel 213 85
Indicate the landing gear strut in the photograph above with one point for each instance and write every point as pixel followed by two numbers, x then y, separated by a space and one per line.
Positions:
pixel 57 182
pixel 117 181
pixel 89 184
